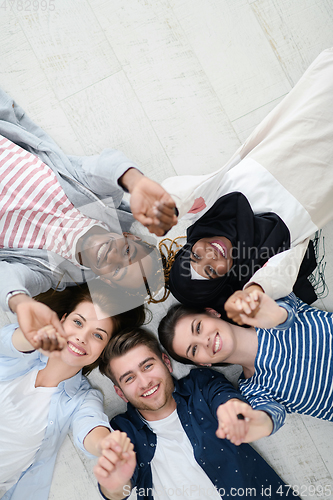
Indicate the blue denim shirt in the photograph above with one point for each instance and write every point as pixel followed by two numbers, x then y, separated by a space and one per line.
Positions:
pixel 74 406
pixel 231 468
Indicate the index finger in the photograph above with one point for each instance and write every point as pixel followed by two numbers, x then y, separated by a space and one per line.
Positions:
pixel 55 322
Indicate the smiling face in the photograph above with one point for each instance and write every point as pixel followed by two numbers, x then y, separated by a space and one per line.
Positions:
pixel 116 257
pixel 145 381
pixel 211 257
pixel 86 335
pixel 204 339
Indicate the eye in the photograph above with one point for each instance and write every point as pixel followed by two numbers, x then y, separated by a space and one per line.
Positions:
pixel 198 327
pixel 98 336
pixel 77 322
pixel 127 250
pixel 116 271
pixel 196 256
pixel 146 367
pixel 194 350
pixel 129 379
pixel 211 271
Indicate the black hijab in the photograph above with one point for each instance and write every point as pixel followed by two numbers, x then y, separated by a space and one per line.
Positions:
pixel 254 238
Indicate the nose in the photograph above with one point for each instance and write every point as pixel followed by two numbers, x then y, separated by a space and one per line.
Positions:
pixel 112 254
pixel 144 383
pixel 82 337
pixel 203 339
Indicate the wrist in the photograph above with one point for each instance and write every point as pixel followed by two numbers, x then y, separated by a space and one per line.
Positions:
pixel 250 287
pixel 130 178
pixel 282 315
pixel 269 424
pixel 118 494
pixel 15 298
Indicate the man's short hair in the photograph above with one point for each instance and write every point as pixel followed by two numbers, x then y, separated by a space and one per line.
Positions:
pixel 124 342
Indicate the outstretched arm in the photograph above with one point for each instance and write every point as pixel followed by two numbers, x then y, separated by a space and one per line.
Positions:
pixel 47 339
pixel 150 203
pixel 268 314
pixel 240 423
pixel 94 440
pixel 242 303
pixel 115 466
pixel 33 317
pixel 276 278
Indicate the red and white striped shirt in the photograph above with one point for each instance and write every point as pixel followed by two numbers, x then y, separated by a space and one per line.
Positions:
pixel 34 209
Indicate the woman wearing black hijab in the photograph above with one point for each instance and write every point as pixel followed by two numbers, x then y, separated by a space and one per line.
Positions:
pixel 237 243
pixel 252 219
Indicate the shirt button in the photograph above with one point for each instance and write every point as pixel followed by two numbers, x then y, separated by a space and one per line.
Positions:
pixel 51 422
pixel 152 445
pixel 142 464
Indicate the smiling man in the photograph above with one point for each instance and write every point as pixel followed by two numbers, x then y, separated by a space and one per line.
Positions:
pixel 174 426
pixel 63 221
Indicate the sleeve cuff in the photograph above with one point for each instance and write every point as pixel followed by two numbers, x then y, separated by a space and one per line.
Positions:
pixel 290 318
pixel 13 293
pixel 276 411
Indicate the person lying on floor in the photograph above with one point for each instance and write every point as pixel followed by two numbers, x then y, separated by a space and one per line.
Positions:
pixel 63 221
pixel 175 428
pixel 44 395
pixel 286 356
pixel 252 219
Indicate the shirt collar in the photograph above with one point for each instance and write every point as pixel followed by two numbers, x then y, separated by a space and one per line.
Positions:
pixel 72 385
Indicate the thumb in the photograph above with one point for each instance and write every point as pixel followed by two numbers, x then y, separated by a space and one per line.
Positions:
pixel 55 322
pixel 247 411
pixel 145 221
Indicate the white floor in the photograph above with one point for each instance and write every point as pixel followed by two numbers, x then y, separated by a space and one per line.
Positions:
pixel 177 85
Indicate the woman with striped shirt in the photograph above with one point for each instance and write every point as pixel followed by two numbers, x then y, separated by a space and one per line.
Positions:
pixel 287 358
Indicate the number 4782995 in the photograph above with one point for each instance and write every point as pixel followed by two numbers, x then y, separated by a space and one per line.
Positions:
pixel 305 490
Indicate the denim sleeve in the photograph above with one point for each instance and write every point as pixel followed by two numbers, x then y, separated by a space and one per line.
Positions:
pixel 14 363
pixel 288 303
pixel 89 415
pixel 275 410
pixel 18 276
pixel 214 387
pixel 100 173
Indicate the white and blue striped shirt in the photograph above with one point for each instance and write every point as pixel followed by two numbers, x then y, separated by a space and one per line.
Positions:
pixel 294 365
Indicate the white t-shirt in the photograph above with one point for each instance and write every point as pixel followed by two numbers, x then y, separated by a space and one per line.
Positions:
pixel 175 472
pixel 23 420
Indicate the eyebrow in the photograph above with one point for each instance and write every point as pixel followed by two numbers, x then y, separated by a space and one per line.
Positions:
pixel 97 328
pixel 139 366
pixel 189 347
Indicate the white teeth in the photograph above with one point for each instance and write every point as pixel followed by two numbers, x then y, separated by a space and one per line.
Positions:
pixel 100 251
pixel 217 343
pixel 75 349
pixel 218 246
pixel 148 393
